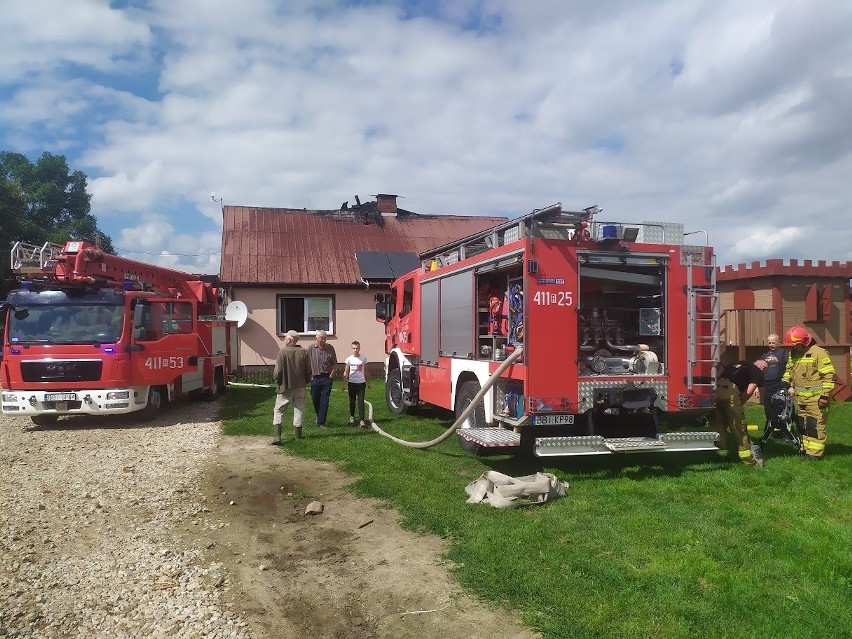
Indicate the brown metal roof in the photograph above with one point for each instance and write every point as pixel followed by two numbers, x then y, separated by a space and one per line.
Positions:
pixel 298 246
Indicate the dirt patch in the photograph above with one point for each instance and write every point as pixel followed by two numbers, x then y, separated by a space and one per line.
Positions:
pixel 350 572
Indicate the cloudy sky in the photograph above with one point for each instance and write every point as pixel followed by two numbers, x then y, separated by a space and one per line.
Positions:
pixel 732 117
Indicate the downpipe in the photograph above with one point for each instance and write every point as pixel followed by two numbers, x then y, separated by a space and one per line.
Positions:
pixel 465 413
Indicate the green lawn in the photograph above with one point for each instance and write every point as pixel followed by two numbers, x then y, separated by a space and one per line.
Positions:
pixel 665 546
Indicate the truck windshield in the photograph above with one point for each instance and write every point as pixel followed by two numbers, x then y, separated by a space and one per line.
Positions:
pixel 81 323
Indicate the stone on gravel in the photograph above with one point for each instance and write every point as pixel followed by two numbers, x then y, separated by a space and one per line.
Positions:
pixel 314 508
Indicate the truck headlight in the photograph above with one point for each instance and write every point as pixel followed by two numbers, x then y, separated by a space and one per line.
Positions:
pixel 118 395
pixel 9 398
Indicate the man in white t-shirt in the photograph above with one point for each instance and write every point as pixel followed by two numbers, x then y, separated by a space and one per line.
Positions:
pixel 355 372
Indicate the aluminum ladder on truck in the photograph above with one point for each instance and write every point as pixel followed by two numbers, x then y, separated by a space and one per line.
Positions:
pixel 31 258
pixel 702 321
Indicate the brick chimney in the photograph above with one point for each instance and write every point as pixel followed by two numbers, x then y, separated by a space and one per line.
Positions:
pixel 386 204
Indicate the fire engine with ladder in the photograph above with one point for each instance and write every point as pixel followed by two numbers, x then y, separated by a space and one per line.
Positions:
pixel 92 333
pixel 569 335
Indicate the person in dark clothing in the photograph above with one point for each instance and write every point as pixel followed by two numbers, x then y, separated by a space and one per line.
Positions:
pixel 736 384
pixel 776 363
pixel 323 360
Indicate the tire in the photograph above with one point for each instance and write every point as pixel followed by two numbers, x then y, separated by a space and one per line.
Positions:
pixel 157 400
pixel 466 394
pixel 217 387
pixel 44 420
pixel 393 393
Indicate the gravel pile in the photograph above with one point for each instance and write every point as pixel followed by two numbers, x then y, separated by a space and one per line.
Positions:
pixel 89 511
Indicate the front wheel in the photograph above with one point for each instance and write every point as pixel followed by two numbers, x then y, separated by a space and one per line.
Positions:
pixel 476 419
pixel 157 400
pixel 394 395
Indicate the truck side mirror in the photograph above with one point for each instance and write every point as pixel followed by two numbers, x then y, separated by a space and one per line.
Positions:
pixel 384 312
pixel 138 313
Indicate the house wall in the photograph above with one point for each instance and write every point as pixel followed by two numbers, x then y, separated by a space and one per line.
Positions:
pixel 354 319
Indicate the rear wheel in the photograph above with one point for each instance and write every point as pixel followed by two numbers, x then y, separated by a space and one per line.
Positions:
pixel 218 386
pixel 393 393
pixel 157 400
pixel 467 392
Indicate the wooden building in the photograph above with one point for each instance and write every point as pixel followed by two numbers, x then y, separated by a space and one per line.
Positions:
pixel 759 299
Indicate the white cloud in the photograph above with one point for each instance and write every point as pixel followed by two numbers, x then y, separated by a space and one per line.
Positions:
pixel 154 240
pixel 763 242
pixel 38 34
pixel 714 114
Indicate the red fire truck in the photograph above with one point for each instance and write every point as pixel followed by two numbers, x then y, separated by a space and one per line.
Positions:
pixel 94 333
pixel 615 323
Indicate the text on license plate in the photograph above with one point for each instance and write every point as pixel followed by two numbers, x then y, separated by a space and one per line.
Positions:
pixel 60 397
pixel 553 420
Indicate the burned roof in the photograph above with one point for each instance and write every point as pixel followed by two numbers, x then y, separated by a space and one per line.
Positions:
pixel 268 246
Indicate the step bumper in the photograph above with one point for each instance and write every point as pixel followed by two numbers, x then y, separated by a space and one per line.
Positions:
pixel 500 440
pixel 597 445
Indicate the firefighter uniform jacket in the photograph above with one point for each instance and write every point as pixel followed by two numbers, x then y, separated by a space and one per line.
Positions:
pixel 812 374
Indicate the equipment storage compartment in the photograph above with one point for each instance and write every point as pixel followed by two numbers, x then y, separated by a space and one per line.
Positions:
pixel 509 406
pixel 497 319
pixel 622 315
pixel 515 311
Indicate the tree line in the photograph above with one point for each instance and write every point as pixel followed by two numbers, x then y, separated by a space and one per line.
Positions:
pixel 42 201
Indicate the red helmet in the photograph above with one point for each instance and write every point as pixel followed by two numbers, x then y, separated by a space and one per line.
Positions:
pixel 796 335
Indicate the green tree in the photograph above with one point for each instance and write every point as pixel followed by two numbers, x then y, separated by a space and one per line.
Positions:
pixel 43 201
pixel 12 209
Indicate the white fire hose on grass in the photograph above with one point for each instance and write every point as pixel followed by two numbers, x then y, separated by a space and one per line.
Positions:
pixel 497 489
pixel 465 413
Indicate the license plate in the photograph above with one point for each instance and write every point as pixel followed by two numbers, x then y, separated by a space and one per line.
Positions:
pixel 60 397
pixel 552 420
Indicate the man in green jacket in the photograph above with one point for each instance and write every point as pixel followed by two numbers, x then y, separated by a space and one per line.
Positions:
pixel 292 373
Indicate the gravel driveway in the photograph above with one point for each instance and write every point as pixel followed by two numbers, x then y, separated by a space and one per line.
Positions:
pixel 86 510
pixel 118 528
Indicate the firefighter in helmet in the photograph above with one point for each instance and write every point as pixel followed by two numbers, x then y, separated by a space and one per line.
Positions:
pixel 736 384
pixel 810 378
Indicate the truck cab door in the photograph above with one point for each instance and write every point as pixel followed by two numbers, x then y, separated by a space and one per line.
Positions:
pixel 164 341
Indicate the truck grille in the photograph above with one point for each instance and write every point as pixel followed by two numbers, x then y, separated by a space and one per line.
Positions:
pixel 76 370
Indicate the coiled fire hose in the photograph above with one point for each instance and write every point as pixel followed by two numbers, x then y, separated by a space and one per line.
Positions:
pixel 465 413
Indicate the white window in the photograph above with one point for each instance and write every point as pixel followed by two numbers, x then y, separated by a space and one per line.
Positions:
pixel 305 314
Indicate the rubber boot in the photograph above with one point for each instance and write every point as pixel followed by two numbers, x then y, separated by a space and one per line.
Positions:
pixel 298 432
pixel 277 428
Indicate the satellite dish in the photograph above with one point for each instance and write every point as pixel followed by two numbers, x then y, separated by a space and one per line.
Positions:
pixel 236 312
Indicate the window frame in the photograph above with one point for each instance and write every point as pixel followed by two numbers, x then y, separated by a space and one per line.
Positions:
pixel 280 330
